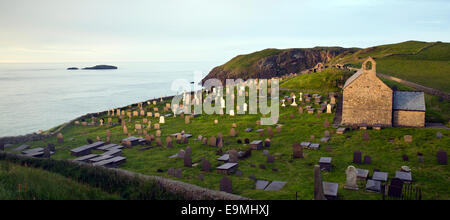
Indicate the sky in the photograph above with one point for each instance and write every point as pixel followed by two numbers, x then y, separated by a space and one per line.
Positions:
pixel 206 30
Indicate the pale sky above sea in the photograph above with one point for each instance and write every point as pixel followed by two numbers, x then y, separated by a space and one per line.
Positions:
pixel 206 30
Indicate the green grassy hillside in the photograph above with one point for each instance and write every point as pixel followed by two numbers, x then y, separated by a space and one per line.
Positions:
pixel 427 64
pixel 24 183
pixel 386 148
pixel 327 81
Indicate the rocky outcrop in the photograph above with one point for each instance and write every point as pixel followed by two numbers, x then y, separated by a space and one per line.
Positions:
pixel 101 67
pixel 279 64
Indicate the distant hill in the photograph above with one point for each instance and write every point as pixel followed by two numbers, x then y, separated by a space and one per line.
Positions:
pixel 425 63
pixel 275 62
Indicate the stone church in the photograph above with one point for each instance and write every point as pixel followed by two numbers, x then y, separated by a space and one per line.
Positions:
pixel 367 100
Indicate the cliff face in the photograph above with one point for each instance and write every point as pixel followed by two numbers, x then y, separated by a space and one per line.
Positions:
pixel 274 63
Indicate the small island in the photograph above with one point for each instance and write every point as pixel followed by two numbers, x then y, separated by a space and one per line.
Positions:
pixel 101 67
pixel 72 68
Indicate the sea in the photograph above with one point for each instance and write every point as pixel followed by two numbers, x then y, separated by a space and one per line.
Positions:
pixel 40 96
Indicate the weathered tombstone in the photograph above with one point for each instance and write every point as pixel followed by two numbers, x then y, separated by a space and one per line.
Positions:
pixel 270 159
pixel 318 186
pixel 266 152
pixel 171 172
pixel 395 188
pixel 60 138
pixel 267 143
pixel 326 124
pixel 185 140
pixel 169 142
pixel 233 132
pixel 300 110
pixel 405 157
pixel 187 119
pixel 212 141
pixel 408 138
pixel 270 132
pixel 158 142
pixel 278 129
pixel 420 157
pixel 125 129
pixel 205 141
pixel 233 156
pixel 247 141
pixel 367 159
pixel 239 141
pixel 46 153
pixel 297 150
pixel 357 157
pixel 366 136
pixel 326 133
pixel 226 185
pixel 187 160
pixel 352 176
pixel 442 157
pixel 179 173
pixel 439 135
pixel 206 165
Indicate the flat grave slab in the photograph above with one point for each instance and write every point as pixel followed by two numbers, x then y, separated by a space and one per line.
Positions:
pixel 34 150
pixel 259 130
pixel 249 130
pixel 227 168
pixel 325 163
pixel 21 148
pixel 362 173
pixel 324 139
pixel 340 130
pixel 330 190
pixel 314 146
pixel 275 186
pixel 256 145
pixel 305 144
pixel 182 136
pixel 114 153
pixel 224 158
pixel 261 184
pixel 380 176
pixel 35 154
pixel 85 158
pixel 111 163
pixel 100 158
pixel 405 176
pixel 106 147
pixel 373 186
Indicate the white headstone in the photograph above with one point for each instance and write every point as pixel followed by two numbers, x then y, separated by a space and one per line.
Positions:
pixel 329 109
pixel 352 175
pixel 161 120
pixel 293 102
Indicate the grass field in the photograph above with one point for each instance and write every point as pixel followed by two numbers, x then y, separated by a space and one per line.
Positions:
pixel 326 81
pixel 427 64
pixel 24 183
pixel 386 148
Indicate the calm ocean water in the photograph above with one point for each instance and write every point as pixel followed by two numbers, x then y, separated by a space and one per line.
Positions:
pixel 41 96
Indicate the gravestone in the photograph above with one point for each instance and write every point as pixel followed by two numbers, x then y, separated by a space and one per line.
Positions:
pixel 351 177
pixel 326 133
pixel 185 140
pixel 158 142
pixel 169 142
pixel 270 132
pixel 201 177
pixel 179 173
pixel 158 133
pixel 366 136
pixel 266 152
pixel 226 185
pixel 373 186
pixel 326 124
pixel 442 157
pixel 247 141
pixel 187 120
pixel 357 157
pixel 408 138
pixel 297 150
pixel 171 172
pixel 181 154
pixel 367 160
pixel 262 166
pixel 395 188
pixel 51 147
pixel 405 157
pixel 206 165
pixel 233 132
pixel 239 141
pixel 187 160
pixel 188 150
pixel 420 157
pixel 233 156
pixel 60 138
pixel 267 143
pixel 300 110
pixel 212 142
pixel 278 129
pixel 318 186
pixel 205 141
pixel 439 135
pixel 270 159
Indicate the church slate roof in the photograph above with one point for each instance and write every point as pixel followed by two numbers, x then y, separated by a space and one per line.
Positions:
pixel 353 78
pixel 410 101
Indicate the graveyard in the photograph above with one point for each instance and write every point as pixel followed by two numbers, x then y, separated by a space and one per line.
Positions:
pixel 238 155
